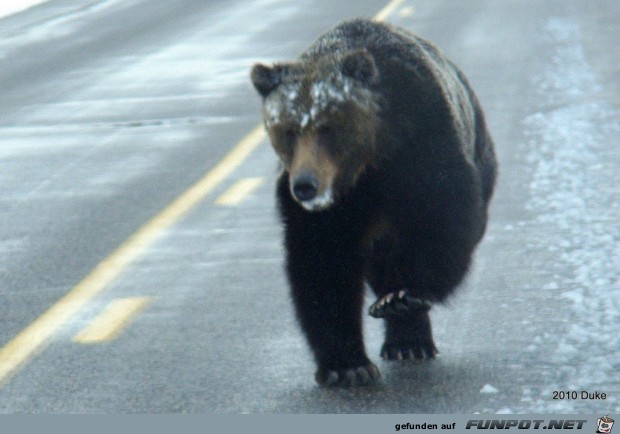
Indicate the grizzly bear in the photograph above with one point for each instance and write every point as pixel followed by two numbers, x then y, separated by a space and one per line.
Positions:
pixel 388 169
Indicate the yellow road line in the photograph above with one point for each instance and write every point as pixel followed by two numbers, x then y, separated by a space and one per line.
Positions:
pixel 388 10
pixel 111 322
pixel 239 191
pixel 25 345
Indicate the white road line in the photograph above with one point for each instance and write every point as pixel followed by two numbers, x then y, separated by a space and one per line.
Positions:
pixel 14 6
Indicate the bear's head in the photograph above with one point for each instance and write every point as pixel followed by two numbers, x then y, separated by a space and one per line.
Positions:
pixel 321 115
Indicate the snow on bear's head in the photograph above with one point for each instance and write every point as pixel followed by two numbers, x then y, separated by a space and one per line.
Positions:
pixel 321 116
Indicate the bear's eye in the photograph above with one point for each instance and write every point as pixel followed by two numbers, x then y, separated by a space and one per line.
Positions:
pixel 325 131
pixel 290 135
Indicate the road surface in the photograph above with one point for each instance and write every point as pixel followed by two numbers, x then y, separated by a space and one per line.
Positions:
pixel 140 254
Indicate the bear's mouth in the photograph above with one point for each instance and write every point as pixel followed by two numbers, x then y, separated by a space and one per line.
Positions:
pixel 320 202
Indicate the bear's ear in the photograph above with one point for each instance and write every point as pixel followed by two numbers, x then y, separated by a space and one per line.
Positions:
pixel 266 78
pixel 361 66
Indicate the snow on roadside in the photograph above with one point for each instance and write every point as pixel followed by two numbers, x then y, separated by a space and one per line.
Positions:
pixel 15 6
pixel 65 20
pixel 573 153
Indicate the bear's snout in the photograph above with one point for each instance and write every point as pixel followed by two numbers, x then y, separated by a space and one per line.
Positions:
pixel 307 190
pixel 305 187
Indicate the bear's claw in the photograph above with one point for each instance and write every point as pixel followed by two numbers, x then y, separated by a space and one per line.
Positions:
pixel 398 303
pixel 405 351
pixel 360 376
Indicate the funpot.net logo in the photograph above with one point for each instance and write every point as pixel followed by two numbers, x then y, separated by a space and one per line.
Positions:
pixel 604 424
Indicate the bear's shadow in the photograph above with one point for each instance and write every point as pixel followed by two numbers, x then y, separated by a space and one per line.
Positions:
pixel 432 386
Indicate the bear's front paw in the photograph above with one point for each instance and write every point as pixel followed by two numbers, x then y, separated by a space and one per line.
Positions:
pixel 360 376
pixel 398 303
pixel 418 350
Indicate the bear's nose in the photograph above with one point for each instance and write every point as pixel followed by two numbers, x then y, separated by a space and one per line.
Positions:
pixel 305 187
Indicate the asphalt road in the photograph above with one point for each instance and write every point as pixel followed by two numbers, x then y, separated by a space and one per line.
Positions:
pixel 111 110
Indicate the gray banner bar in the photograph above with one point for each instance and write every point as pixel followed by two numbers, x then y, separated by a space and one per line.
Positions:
pixel 309 424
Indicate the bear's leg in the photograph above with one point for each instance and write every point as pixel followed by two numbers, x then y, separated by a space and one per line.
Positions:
pixel 328 301
pixel 335 335
pixel 325 272
pixel 409 337
pixel 408 325
pixel 426 268
pixel 408 333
